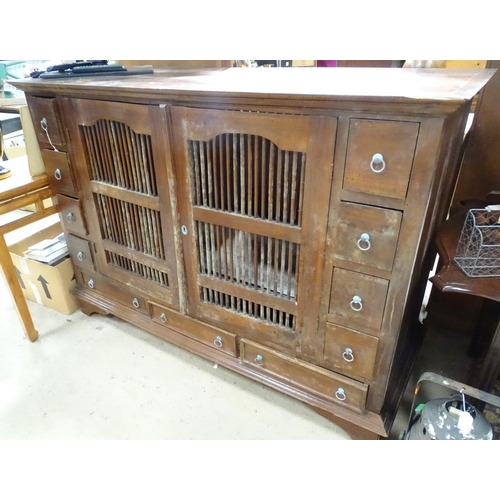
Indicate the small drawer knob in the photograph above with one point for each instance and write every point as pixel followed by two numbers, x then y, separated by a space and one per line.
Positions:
pixel 378 163
pixel 80 256
pixel 259 359
pixel 91 283
pixel 58 174
pixel 184 230
pixel 163 317
pixel 364 242
pixel 348 355
pixel 340 394
pixel 70 217
pixel 135 303
pixel 218 341
pixel 356 303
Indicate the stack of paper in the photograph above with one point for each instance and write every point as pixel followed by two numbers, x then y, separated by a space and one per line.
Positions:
pixel 48 251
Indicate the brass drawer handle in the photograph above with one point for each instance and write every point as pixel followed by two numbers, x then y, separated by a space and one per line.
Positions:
pixel 163 317
pixel 377 158
pixel 70 217
pixel 91 283
pixel 80 256
pixel 340 394
pixel 58 174
pixel 356 303
pixel 348 355
pixel 218 341
pixel 259 359
pixel 135 303
pixel 364 242
pixel 45 127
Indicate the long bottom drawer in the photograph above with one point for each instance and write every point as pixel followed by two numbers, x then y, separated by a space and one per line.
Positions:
pixel 207 334
pixel 336 388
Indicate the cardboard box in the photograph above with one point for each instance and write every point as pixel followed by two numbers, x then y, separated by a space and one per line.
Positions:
pixel 48 285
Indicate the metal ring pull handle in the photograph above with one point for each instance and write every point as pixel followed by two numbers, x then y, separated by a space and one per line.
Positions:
pixel 340 394
pixel 163 317
pixel 91 283
pixel 218 341
pixel 364 242
pixel 58 174
pixel 135 303
pixel 259 359
pixel 356 303
pixel 44 125
pixel 348 355
pixel 70 217
pixel 376 159
pixel 80 256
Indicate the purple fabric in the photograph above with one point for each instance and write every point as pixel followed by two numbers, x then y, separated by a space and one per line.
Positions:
pixel 326 64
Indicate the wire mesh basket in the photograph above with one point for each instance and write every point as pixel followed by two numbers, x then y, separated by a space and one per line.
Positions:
pixel 478 251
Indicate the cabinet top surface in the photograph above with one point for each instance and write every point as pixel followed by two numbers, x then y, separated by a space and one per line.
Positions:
pixel 317 83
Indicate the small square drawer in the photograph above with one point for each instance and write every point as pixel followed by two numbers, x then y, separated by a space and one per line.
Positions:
pixel 349 352
pixel 115 290
pixel 357 300
pixel 58 171
pixel 71 215
pixel 46 122
pixel 380 157
pixel 367 235
pixel 326 384
pixel 80 252
pixel 210 335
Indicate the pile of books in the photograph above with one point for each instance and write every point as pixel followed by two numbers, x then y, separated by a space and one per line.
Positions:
pixel 48 251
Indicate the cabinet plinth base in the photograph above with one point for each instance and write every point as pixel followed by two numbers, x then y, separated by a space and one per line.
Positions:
pixel 355 431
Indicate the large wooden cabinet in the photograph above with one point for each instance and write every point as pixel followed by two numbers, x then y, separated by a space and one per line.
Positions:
pixel 278 222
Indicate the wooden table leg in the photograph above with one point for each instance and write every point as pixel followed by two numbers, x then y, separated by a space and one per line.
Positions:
pixel 16 291
pixel 491 364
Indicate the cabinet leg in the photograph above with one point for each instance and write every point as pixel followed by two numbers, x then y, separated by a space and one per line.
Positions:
pixel 90 309
pixel 16 291
pixel 354 431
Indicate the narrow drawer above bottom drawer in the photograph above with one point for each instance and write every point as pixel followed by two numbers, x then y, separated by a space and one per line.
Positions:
pixel 210 335
pixel 349 352
pixel 80 252
pixel 312 378
pixel 71 215
pixel 116 291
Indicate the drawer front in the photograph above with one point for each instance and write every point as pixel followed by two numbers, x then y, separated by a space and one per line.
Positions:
pixel 80 252
pixel 329 385
pixel 116 291
pixel 59 172
pixel 71 215
pixel 351 353
pixel 380 157
pixel 44 114
pixel 214 337
pixel 367 235
pixel 357 300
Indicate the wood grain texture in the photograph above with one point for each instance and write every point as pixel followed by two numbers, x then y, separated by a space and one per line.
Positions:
pixel 380 156
pixel 246 186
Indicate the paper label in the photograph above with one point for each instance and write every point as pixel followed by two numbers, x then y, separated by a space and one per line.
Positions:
pixel 24 266
pixel 36 293
pixel 465 422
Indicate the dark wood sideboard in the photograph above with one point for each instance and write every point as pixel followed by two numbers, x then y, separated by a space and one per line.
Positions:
pixel 275 221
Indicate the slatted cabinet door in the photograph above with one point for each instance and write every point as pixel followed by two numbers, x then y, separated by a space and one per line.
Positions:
pixel 120 154
pixel 253 198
